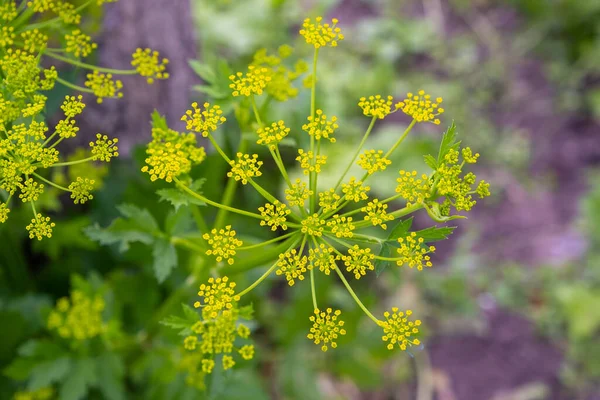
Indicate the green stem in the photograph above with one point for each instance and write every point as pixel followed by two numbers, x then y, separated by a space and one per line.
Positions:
pixel 354 296
pixel 213 203
pixel 256 113
pixel 399 141
pixel 261 244
pixel 73 86
pixel 43 24
pixel 266 274
pixel 229 192
pixel 256 259
pixel 218 148
pixel 313 102
pixel 51 183
pixel 179 241
pixel 360 146
pixel 83 160
pixel 198 218
pixel 52 53
pixel 312 288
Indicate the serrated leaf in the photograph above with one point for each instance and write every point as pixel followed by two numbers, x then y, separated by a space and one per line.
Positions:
pixel 82 376
pixel 179 198
pixel 139 216
pixel 20 369
pixel 189 313
pixel 47 372
pixel 434 233
pixel 117 232
pixel 110 376
pixel 165 259
pixel 204 71
pixel 159 121
pixel 246 312
pixel 448 142
pixel 178 222
pixel 381 265
pixel 175 322
pixel 431 161
pixel 401 229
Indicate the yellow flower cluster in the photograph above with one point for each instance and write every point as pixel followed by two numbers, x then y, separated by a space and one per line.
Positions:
pixel 44 393
pixel 103 149
pixel 376 106
pixel 310 162
pixel 319 34
pixel 149 65
pixel 293 266
pixel 322 257
pixel 329 200
pixel 341 227
pixel 319 127
pixel 280 85
pixel 373 161
pixel 79 317
pixel 245 167
pixel 217 332
pixel 421 108
pixel 358 261
pixel 413 252
pixel 355 190
pixel 298 193
pixel 376 213
pixel 40 227
pixel 253 82
pixel 79 44
pixel 398 330
pixel 34 40
pixel 223 244
pixel 171 154
pixel 313 225
pixel 412 189
pixel 103 85
pixel 203 121
pixel 272 135
pixel 326 328
pixel 274 215
pixel 81 190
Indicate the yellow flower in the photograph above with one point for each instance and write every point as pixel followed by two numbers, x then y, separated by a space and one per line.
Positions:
pixel 219 295
pixel 468 155
pixel 30 190
pixel 377 214
pixel 398 329
pixel 148 64
pixel 34 40
pixel 66 128
pixel 329 200
pixel 373 161
pixel 207 366
pixel 293 265
pixel 247 352
pixel 103 85
pixel 341 227
pixel 319 34
pixel 79 317
pixel 72 106
pixel 4 210
pixel 253 82
pixel 245 168
pixel 272 135
pixel 40 227
pixel 413 252
pixel 411 189
pixel 8 36
pixel 223 243
pixel 355 190
pixel 274 215
pixel 203 121
pixel 310 162
pixel 313 225
pixel 483 189
pixel 44 393
pixel 189 343
pixel 322 257
pixel 326 328
pixel 421 108
pixel 79 44
pixel 80 190
pixel 8 10
pixel 104 148
pixel 376 106
pixel 298 194
pixel 228 362
pixel 319 127
pixel 358 261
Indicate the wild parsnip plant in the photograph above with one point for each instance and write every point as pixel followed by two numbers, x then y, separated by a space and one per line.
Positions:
pixel 33 36
pixel 318 229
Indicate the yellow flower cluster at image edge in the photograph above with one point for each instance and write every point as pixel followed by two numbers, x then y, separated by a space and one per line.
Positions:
pixel 30 158
pixel 321 226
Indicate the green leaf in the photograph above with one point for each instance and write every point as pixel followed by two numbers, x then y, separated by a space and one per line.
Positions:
pixel 431 161
pixel 448 142
pixel 434 234
pixel 158 121
pixel 110 370
pixel 48 372
pixel 189 313
pixel 246 312
pixel 178 197
pixel 178 222
pixel 204 71
pixel 20 369
pixel 82 376
pixel 165 258
pixel 190 317
pixel 381 265
pixel 401 229
pixel 118 232
pixel 139 216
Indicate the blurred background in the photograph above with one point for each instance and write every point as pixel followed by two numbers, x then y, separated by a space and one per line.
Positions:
pixel 512 305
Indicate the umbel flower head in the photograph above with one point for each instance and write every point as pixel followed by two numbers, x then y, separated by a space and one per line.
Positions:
pixel 78 317
pixel 29 148
pixel 320 231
